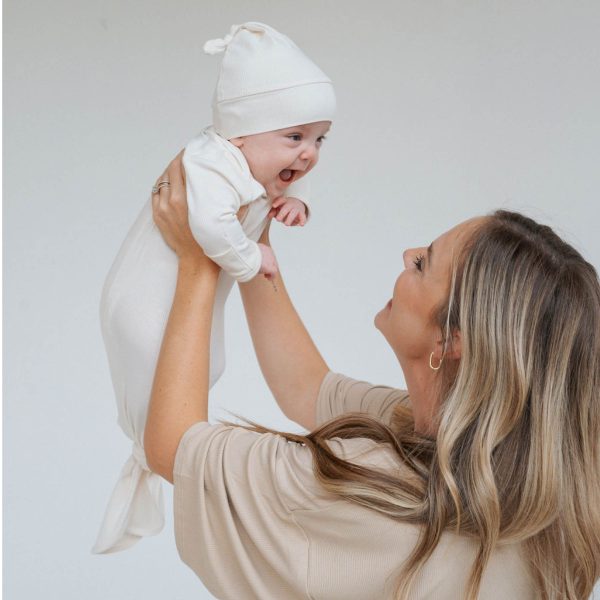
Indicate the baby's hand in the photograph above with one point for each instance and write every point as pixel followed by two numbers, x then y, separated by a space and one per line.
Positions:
pixel 268 263
pixel 290 211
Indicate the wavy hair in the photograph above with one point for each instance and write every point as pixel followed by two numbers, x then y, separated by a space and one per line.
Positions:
pixel 517 452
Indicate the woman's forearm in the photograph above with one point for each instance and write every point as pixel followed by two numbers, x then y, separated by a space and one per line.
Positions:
pixel 180 389
pixel 290 362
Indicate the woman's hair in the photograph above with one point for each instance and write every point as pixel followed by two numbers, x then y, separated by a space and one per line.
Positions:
pixel 517 452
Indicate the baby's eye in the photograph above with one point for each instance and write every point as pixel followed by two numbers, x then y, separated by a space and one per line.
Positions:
pixel 321 139
pixel 296 137
pixel 418 262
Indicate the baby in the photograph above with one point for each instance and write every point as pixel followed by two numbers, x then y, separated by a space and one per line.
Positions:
pixel 272 107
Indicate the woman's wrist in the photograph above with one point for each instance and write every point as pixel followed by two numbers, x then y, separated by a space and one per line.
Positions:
pixel 198 265
pixel 264 238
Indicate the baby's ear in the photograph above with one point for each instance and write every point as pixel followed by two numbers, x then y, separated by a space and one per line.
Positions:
pixel 238 142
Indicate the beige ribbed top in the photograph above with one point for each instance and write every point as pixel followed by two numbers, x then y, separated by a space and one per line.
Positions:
pixel 252 522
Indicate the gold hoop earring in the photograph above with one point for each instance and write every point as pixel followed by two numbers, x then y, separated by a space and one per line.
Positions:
pixel 431 366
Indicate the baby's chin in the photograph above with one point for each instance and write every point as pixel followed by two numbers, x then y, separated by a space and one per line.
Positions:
pixel 273 194
pixel 275 189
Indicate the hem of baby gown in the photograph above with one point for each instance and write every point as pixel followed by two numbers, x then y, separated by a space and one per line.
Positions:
pixel 135 508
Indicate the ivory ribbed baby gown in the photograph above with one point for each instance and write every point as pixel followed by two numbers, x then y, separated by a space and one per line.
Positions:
pixel 136 301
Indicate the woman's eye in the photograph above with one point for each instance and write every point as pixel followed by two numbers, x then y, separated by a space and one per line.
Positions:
pixel 418 262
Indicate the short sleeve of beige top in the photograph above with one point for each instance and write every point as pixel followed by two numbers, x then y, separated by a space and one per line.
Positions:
pixel 253 523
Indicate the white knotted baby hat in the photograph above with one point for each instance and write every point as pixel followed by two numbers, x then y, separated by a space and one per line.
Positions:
pixel 266 83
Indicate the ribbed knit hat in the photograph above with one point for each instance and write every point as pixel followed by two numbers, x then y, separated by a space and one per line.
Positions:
pixel 266 83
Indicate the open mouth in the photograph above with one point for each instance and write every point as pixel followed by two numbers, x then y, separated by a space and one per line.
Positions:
pixel 288 175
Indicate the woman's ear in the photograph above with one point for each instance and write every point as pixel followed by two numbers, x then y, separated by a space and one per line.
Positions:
pixel 238 142
pixel 452 350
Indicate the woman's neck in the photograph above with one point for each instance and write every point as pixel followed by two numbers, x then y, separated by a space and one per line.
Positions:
pixel 423 389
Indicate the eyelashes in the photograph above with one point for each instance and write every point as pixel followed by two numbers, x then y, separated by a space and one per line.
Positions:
pixel 297 137
pixel 418 262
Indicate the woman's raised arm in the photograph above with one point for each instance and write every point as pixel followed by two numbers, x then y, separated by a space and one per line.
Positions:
pixel 180 389
pixel 289 360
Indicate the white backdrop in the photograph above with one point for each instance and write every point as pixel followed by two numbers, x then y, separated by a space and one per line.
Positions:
pixel 447 109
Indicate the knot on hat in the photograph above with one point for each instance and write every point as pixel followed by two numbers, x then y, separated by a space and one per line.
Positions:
pixel 266 83
pixel 219 45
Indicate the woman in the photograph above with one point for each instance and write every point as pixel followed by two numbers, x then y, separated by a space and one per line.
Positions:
pixel 481 481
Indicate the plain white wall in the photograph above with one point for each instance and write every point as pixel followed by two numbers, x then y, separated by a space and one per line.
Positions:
pixel 447 109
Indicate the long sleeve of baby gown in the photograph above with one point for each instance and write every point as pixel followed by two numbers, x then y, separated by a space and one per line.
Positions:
pixel 216 189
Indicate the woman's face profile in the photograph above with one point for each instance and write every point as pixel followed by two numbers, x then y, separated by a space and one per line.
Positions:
pixel 408 320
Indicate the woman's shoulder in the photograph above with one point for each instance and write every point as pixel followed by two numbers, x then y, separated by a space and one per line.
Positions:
pixel 225 456
pixel 340 394
pixel 296 469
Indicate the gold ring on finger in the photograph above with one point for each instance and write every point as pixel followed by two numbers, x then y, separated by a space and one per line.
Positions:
pixel 160 184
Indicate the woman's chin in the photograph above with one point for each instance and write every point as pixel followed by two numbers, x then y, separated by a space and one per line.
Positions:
pixel 382 315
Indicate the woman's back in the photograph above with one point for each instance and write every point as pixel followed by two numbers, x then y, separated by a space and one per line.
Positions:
pixel 252 521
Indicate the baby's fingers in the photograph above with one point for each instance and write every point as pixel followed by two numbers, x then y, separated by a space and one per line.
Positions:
pixel 278 202
pixel 300 220
pixel 283 212
pixel 291 217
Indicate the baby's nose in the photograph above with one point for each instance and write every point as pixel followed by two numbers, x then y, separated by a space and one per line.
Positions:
pixel 309 153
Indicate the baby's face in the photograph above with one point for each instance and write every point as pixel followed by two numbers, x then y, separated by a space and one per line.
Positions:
pixel 277 158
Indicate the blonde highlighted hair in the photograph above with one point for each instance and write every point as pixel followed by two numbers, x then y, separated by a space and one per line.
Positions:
pixel 517 452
